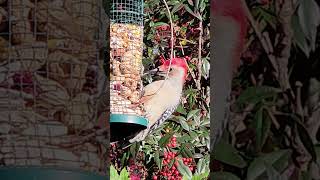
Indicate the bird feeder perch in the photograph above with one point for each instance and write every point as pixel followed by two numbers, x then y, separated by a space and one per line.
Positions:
pixel 126 44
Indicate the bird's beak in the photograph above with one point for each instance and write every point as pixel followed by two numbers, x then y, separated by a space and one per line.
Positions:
pixel 154 71
pixel 158 71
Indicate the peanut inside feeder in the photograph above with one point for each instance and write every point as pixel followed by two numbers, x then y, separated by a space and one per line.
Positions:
pixel 125 67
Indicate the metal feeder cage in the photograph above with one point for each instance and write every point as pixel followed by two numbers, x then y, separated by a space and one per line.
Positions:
pixel 49 84
pixel 126 44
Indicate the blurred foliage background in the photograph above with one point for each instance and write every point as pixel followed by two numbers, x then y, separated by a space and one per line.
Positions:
pixel 274 126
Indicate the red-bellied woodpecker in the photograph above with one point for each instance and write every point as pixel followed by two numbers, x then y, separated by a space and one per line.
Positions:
pixel 229 31
pixel 161 98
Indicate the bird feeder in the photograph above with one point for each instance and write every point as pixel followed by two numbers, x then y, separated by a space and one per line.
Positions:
pixel 126 44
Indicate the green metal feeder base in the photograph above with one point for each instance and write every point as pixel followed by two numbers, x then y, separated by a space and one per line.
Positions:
pixel 123 125
pixel 41 173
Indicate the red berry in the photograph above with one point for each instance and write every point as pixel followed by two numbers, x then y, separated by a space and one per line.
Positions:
pixel 155 177
pixel 176 163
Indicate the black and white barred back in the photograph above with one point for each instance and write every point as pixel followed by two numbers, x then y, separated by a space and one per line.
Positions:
pixel 163 118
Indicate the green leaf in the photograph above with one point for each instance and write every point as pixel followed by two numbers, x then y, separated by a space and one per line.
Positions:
pixel 256 94
pixel 201 166
pixel 317 150
pixel 184 124
pixel 113 173
pixel 256 169
pixel 151 24
pixel 196 177
pixel 187 151
pixel 305 137
pixel 159 24
pixel 176 8
pixel 190 91
pixel 299 38
pixel 226 153
pixel 196 7
pixel 192 113
pixel 134 148
pixel 171 163
pixel 224 176
pixel 205 122
pixel 309 18
pixel 157 159
pixel 203 176
pixel 278 159
pixel 272 173
pixel 305 175
pixel 184 170
pixel 180 109
pixel 202 7
pixel 165 139
pixel 268 16
pixel 124 157
pixel 193 134
pixel 124 174
pixel 187 8
pixel 205 68
pixel 172 3
pixel 190 2
pixel 262 125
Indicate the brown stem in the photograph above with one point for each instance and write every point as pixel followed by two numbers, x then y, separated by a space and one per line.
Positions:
pixel 285 10
pixel 200 56
pixel 262 39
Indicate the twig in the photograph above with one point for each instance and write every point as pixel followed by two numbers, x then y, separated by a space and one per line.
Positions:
pixel 171 43
pixel 299 108
pixel 273 118
pixel 285 9
pixel 253 79
pixel 188 41
pixel 171 38
pixel 181 47
pixel 235 120
pixel 261 38
pixel 199 65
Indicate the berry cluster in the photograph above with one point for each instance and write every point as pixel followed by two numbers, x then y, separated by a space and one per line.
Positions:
pixel 172 173
pixel 189 162
pixel 137 168
pixel 136 171
pixel 172 143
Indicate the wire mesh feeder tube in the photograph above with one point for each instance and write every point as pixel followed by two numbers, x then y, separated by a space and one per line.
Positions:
pixel 49 82
pixel 126 35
